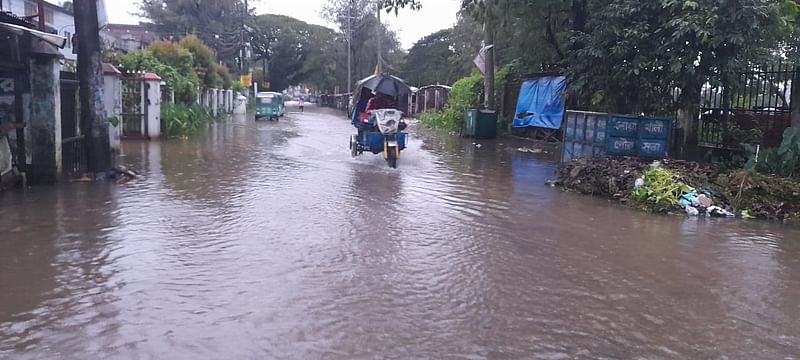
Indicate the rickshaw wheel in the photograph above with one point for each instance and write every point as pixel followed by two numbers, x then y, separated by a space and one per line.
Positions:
pixel 391 158
pixel 353 146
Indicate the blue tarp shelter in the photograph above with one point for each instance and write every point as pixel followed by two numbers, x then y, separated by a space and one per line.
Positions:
pixel 541 103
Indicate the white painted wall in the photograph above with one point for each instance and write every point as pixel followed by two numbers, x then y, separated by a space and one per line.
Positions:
pixel 113 102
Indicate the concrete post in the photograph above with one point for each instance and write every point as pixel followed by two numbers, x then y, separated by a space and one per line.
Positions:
pixel 153 103
pixel 45 119
pixel 214 102
pixel 112 83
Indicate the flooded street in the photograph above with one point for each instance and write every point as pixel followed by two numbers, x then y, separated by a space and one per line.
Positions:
pixel 267 241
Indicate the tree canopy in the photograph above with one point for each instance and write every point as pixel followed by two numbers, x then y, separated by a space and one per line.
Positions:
pixel 430 60
pixel 631 55
pixel 217 23
pixel 363 33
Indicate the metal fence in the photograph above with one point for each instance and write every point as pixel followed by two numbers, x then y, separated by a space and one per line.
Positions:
pixel 755 107
pixel 73 156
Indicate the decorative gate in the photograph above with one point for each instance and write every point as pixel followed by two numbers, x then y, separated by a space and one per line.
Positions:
pixel 134 107
pixel 73 151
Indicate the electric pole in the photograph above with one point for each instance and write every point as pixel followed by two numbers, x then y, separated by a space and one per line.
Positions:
pixel 243 51
pixel 488 84
pixel 94 123
pixel 380 36
pixel 349 37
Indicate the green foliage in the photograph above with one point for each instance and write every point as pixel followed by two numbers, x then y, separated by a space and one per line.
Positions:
pixel 183 83
pixel 428 61
pixel 217 23
pixel 465 94
pixel 183 66
pixel 783 161
pixel 364 37
pixel 237 86
pixel 183 120
pixel 629 56
pixel 660 192
pixel 205 60
pixel 225 77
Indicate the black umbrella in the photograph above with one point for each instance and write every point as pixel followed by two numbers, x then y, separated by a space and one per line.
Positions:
pixel 387 84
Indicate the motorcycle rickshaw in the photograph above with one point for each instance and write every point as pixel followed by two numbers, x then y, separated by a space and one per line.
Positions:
pixel 380 131
pixel 269 105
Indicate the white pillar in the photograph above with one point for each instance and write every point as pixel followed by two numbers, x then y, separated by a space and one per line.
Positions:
pixel 112 88
pixel 153 82
pixel 214 102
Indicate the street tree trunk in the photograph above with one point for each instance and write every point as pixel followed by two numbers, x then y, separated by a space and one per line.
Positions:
pixel 94 123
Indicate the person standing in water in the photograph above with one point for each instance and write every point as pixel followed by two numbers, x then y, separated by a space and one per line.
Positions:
pixel 300 103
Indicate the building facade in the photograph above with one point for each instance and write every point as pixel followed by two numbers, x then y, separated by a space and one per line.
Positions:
pixel 57 19
pixel 127 37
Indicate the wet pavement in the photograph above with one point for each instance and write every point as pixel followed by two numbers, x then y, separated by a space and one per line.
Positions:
pixel 267 241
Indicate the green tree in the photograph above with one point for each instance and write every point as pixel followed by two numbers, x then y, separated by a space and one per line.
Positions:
pixel 205 60
pixel 217 23
pixel 363 29
pixel 428 61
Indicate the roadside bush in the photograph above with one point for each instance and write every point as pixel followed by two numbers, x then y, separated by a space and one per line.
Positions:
pixel 181 120
pixel 464 95
pixel 783 161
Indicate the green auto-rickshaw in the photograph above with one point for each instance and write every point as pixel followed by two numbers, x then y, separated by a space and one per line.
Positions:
pixel 269 105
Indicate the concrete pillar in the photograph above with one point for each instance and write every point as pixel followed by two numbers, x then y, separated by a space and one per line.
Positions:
pixel 112 83
pixel 214 102
pixel 153 103
pixel 45 119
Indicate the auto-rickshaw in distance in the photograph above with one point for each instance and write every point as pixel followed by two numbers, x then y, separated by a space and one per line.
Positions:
pixel 269 105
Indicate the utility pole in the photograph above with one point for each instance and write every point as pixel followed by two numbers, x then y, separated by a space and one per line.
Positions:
pixel 795 98
pixel 380 36
pixel 94 123
pixel 40 6
pixel 243 50
pixel 349 37
pixel 488 84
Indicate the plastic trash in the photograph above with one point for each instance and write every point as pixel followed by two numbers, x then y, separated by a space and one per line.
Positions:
pixel 719 212
pixel 639 183
pixel 691 210
pixel 704 201
pixel 689 199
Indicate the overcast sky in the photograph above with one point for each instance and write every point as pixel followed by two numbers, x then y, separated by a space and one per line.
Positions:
pixel 410 25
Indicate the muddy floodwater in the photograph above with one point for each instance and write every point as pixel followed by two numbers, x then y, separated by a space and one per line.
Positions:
pixel 267 241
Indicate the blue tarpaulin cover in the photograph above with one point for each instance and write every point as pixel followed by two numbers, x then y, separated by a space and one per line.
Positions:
pixel 540 103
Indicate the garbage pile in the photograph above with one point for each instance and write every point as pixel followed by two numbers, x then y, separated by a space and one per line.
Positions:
pixel 702 205
pixel 698 189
